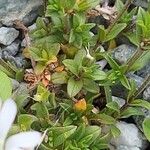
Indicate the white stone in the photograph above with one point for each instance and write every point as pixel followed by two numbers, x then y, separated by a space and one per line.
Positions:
pixel 8 35
pixel 122 147
pixel 146 94
pixel 130 136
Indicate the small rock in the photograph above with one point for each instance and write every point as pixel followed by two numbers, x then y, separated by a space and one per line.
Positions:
pixel 23 10
pixel 12 49
pixel 144 71
pixel 138 80
pixel 143 3
pixel 8 35
pixel 32 27
pixel 119 90
pixel 102 63
pixel 15 84
pixel 120 101
pixel 146 94
pixel 123 52
pixel 130 136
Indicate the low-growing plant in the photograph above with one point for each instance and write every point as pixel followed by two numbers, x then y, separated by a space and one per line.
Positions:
pixel 72 97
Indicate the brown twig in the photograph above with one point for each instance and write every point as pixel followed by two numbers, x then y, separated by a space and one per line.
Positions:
pixel 19 25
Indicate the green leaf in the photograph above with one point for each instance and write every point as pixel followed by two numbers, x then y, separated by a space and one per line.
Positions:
pixel 104 119
pixel 84 5
pixel 141 62
pixel 68 5
pixel 42 94
pixel 59 77
pixel 98 75
pixel 74 86
pixel 79 133
pixel 146 128
pixel 91 133
pixel 115 31
pixel 39 68
pixel 60 134
pixel 140 103
pixel 111 62
pixel 25 121
pixel 131 111
pixel 119 5
pixel 5 86
pixel 133 38
pixel 72 66
pixel 40 23
pixel 101 33
pixel 114 106
pixel 115 131
pixel 133 89
pixel 90 85
pixel 125 82
pixel 41 111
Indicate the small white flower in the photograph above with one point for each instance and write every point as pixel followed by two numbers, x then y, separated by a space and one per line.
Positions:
pixel 88 55
pixel 21 141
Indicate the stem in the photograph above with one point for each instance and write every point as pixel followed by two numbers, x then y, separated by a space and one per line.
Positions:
pixel 126 6
pixel 142 88
pixel 133 59
pixel 108 94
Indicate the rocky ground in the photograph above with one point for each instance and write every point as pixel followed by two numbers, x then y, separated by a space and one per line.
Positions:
pixel 12 43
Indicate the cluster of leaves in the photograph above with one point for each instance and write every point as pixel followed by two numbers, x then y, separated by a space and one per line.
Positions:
pixel 64 45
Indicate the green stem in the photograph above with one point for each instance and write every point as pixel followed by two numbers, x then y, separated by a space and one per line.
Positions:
pixel 133 59
pixel 126 6
pixel 108 93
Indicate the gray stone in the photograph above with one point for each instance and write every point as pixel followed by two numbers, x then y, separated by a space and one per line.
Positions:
pixel 138 80
pixel 32 27
pixel 130 136
pixel 144 71
pixel 8 35
pixel 139 119
pixel 19 61
pixel 119 90
pixel 142 3
pixel 146 94
pixel 15 84
pixel 23 10
pixel 12 49
pixel 123 52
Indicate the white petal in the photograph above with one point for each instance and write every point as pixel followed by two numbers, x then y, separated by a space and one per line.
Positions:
pixel 23 140
pixel 7 115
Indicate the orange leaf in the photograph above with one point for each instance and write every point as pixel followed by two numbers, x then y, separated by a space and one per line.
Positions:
pixel 80 105
pixel 59 69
